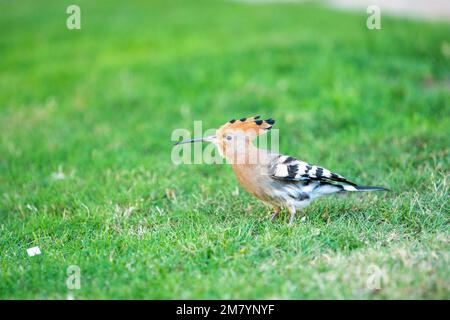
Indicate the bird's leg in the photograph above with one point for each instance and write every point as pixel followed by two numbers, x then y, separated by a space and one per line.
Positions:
pixel 292 211
pixel 276 212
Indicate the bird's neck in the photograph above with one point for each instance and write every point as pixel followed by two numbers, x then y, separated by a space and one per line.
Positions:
pixel 248 156
pixel 253 171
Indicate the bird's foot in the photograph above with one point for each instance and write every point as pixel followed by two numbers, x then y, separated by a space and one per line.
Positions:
pixel 292 217
pixel 275 215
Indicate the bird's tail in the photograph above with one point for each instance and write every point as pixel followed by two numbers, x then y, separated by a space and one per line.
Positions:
pixel 363 188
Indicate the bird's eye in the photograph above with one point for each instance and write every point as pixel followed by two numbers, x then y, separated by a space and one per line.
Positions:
pixel 228 137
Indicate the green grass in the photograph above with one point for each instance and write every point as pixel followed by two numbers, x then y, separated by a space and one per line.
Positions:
pixel 100 104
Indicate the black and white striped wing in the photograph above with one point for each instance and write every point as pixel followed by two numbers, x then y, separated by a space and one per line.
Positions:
pixel 291 169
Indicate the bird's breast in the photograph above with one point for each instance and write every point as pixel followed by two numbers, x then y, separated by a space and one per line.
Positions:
pixel 254 179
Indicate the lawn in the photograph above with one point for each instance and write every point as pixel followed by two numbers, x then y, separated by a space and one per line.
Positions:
pixel 86 118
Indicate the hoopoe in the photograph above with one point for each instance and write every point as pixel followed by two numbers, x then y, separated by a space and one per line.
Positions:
pixel 279 181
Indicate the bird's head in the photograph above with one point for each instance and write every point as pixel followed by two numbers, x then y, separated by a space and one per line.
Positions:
pixel 236 136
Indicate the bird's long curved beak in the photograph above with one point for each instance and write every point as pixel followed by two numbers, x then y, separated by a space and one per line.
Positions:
pixel 206 139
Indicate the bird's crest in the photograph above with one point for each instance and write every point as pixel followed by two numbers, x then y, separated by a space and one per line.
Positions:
pixel 252 126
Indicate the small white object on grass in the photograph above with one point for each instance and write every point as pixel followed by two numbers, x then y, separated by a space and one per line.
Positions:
pixel 58 175
pixel 33 251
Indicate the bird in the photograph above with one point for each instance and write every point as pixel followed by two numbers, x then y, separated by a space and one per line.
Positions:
pixel 279 181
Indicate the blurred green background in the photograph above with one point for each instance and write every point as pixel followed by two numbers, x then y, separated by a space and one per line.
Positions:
pixel 86 118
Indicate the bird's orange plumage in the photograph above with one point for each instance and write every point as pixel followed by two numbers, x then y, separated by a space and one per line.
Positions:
pixel 252 126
